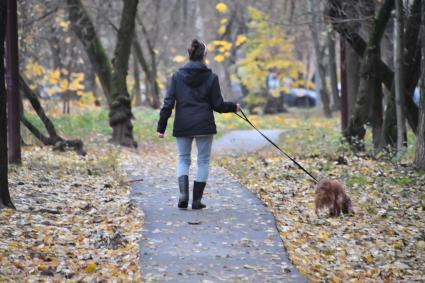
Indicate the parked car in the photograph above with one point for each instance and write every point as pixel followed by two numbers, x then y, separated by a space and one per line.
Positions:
pixel 300 97
pixel 416 96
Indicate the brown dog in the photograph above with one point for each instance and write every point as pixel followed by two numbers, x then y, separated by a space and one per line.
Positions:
pixel 331 194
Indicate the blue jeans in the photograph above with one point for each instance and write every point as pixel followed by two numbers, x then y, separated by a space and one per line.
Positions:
pixel 184 146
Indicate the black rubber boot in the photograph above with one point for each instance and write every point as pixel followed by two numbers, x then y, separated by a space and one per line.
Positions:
pixel 184 191
pixel 198 191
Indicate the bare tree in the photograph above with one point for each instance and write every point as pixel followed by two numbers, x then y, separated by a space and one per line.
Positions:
pixel 420 138
pixel 330 37
pixel 398 74
pixel 86 33
pixel 12 65
pixel 112 76
pixel 372 71
pixel 4 183
pixel 411 66
pixel 120 115
pixel 319 55
pixel 137 94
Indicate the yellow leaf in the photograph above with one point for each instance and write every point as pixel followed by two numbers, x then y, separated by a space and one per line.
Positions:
pixel 76 83
pixel 90 268
pixel 241 39
pixel 63 85
pixel 179 59
pixel 219 58
pixel 34 70
pixel 54 77
pixel 368 258
pixel 293 73
pixel 64 25
pixel 323 236
pixel 55 74
pixel 222 30
pixel 221 7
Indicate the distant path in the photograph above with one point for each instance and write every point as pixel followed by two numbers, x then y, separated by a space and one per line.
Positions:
pixel 244 141
pixel 234 240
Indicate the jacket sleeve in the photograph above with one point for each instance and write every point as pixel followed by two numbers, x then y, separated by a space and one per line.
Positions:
pixel 217 99
pixel 167 108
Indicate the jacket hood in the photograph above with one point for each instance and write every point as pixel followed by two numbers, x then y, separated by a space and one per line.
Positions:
pixel 194 74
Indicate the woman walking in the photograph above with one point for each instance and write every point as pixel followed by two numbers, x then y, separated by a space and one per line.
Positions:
pixel 195 92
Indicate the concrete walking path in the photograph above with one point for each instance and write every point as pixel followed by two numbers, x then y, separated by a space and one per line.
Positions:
pixel 233 240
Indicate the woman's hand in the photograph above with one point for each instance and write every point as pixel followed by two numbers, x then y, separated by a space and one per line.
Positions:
pixel 160 135
pixel 238 107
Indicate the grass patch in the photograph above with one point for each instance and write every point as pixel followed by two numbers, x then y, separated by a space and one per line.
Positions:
pixel 308 134
pixel 356 180
pixel 86 123
pixel 402 181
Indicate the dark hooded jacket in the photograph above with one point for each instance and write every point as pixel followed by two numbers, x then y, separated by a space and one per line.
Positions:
pixel 195 92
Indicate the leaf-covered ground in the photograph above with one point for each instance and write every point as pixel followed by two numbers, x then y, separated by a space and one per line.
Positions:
pixel 384 240
pixel 73 220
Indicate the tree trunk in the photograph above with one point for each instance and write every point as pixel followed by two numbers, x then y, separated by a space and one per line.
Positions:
pixel 86 33
pixel 55 48
pixel 324 93
pixel 4 182
pixel 184 18
pixel 319 64
pixel 344 89
pixel 398 75
pixel 35 103
pixel 420 138
pixel 12 65
pixel 91 77
pixel 152 89
pixel 370 91
pixel 120 115
pixel 336 103
pixel 411 67
pixel 356 128
pixel 199 24
pixel 353 78
pixel 376 103
pixel 153 73
pixel 136 90
pixel 412 62
pixel 389 131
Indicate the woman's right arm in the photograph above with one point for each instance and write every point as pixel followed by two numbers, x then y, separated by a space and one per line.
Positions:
pixel 167 108
pixel 218 104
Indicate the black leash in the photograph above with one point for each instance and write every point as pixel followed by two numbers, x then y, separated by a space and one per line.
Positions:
pixel 245 118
